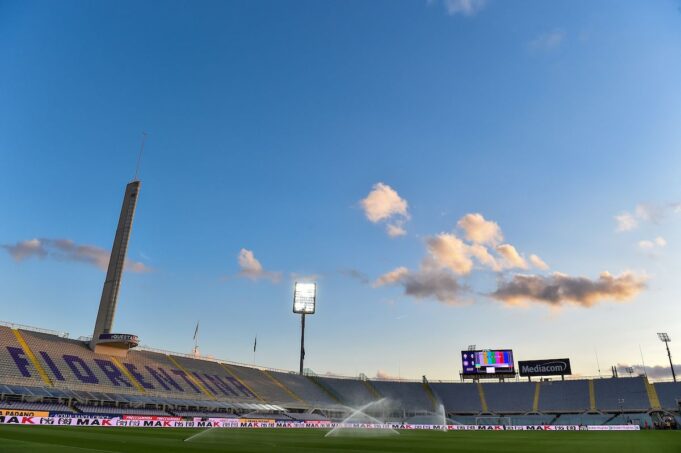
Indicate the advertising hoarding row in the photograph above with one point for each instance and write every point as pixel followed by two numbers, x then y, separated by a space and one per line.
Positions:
pixel 235 423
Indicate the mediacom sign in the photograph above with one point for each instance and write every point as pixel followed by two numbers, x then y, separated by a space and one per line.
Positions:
pixel 551 367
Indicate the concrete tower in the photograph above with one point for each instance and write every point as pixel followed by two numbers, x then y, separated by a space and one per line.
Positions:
pixel 103 340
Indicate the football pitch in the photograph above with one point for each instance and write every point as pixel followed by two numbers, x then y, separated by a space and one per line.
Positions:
pixel 149 440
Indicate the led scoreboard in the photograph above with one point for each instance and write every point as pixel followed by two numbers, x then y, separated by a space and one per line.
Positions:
pixel 487 362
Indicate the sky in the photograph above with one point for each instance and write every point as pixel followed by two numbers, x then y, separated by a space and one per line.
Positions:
pixel 449 172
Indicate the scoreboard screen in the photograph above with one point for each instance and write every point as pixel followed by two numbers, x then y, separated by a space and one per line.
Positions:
pixel 486 362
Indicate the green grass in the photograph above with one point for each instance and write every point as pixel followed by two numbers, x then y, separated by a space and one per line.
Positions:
pixel 150 440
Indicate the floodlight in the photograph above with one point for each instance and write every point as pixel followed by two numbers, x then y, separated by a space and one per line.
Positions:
pixel 304 296
pixel 665 338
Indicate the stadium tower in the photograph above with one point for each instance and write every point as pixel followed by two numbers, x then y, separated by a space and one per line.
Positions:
pixel 103 340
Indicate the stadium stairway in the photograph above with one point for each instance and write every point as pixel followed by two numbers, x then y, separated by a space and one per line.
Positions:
pixel 281 385
pixel 31 356
pixel 326 389
pixel 232 372
pixel 430 393
pixel 191 377
pixel 535 401
pixel 372 389
pixel 592 396
pixel 133 380
pixel 652 395
pixel 483 400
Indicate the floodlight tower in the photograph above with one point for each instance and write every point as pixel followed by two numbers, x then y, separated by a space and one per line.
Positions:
pixel 665 339
pixel 304 301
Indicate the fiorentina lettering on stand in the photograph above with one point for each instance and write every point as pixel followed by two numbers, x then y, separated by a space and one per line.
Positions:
pixel 170 380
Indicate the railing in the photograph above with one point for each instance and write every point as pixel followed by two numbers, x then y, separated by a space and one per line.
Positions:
pixel 13 325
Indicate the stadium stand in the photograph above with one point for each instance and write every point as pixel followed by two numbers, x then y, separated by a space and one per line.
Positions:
pixel 564 396
pixel 512 397
pixel 458 398
pixel 669 393
pixel 621 394
pixel 26 375
pixel 411 395
pixel 95 410
pixel 307 390
pixel 353 392
pixel 45 371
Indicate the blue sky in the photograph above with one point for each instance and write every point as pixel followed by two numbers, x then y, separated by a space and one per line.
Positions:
pixel 270 122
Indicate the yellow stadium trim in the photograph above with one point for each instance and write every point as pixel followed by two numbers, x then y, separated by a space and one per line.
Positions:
pixel 592 396
pixel 483 400
pixel 373 390
pixel 34 360
pixel 535 402
pixel 431 395
pixel 652 395
pixel 127 374
pixel 192 378
pixel 290 392
pixel 234 375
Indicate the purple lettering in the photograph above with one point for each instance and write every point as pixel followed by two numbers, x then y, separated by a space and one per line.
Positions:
pixel 163 378
pixel 203 381
pixel 84 374
pixel 136 374
pixel 220 384
pixel 183 375
pixel 19 359
pixel 113 373
pixel 50 363
pixel 235 382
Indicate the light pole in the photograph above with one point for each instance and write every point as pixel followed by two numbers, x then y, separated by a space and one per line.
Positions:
pixel 304 301
pixel 665 339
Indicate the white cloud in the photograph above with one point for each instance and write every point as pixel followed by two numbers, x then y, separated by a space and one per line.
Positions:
pixel 538 262
pixel 548 41
pixel 380 374
pixel 658 242
pixel 483 256
pixel 560 289
pixel 68 250
pixel 464 7
pixel 31 248
pixel 427 283
pixel 645 213
pixel 252 269
pixel 384 204
pixel 511 257
pixel 479 230
pixel 391 277
pixel 395 229
pixel 450 252
pixel 654 372
pixel 625 222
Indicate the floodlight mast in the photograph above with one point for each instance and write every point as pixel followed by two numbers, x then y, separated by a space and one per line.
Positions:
pixel 304 300
pixel 664 337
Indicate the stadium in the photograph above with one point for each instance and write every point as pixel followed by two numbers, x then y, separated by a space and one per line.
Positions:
pixel 107 381
pixel 403 226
